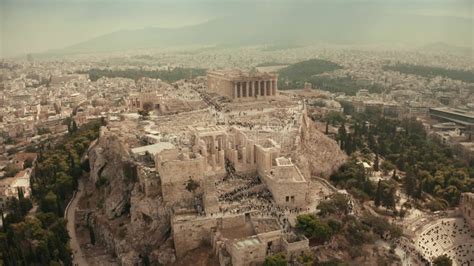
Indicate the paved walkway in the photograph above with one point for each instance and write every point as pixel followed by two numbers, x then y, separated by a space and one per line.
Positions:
pixel 78 256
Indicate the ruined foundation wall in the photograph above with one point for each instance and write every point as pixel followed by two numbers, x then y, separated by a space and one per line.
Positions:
pixel 191 234
pixel 220 86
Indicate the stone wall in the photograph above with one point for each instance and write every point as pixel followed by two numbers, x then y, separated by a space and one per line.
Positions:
pixel 288 194
pixel 265 157
pixel 293 246
pixel 191 233
pixel 149 181
pixel 175 170
pixel 245 254
pixel 220 86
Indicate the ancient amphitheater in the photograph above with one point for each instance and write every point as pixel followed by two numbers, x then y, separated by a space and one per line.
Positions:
pixel 450 236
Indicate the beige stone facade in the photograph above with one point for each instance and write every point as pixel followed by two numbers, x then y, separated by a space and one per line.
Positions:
pixel 286 183
pixel 199 216
pixel 175 169
pixel 236 240
pixel 206 162
pixel 239 85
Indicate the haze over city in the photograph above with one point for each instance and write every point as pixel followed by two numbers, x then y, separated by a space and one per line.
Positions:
pixel 237 132
pixel 41 26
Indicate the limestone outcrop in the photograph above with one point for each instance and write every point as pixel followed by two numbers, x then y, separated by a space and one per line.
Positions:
pixel 318 154
pixel 128 223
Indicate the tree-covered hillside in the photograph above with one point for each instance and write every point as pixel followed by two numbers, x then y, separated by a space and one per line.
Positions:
pixel 40 237
pixel 427 71
pixel 428 166
pixel 295 75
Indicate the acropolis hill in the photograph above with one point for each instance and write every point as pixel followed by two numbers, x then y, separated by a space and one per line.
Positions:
pixel 229 175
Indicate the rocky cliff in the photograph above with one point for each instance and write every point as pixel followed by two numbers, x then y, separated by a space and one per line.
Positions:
pixel 130 224
pixel 317 154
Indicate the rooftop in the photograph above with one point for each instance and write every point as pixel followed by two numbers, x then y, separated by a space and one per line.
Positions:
pixel 248 242
pixel 454 111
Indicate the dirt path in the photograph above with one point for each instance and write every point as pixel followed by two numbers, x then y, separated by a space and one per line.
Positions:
pixel 78 258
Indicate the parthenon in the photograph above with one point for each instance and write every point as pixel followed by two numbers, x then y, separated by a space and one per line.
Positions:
pixel 240 85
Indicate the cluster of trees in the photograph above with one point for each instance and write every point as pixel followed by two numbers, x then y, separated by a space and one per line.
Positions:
pixel 427 71
pixel 430 167
pixel 41 238
pixel 334 219
pixel 11 170
pixel 295 75
pixel 347 85
pixel 442 260
pixel 280 259
pixel 167 75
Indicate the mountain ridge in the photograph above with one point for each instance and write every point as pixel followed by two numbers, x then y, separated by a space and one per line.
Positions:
pixel 268 29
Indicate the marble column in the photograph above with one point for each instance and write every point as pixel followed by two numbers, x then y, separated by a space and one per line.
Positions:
pixel 273 87
pixel 239 91
pixel 244 155
pixel 221 158
pixel 252 159
pixel 235 89
pixel 213 144
pixel 255 88
pixel 250 85
pixel 276 86
pixel 264 88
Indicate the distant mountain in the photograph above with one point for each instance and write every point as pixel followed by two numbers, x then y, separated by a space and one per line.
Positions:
pixel 286 27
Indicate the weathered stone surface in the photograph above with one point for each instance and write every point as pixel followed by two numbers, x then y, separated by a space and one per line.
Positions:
pixel 128 224
pixel 318 154
pixel 150 220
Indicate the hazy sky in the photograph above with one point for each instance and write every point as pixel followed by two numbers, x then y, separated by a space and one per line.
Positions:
pixel 40 25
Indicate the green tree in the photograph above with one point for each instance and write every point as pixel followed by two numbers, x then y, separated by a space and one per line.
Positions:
pixel 342 135
pixel 410 183
pixel 388 194
pixel 337 204
pixel 349 144
pixel 305 260
pixel 313 228
pixel 49 202
pixel 11 170
pixel 376 162
pixel 387 166
pixel 192 185
pixel 442 260
pixel 276 260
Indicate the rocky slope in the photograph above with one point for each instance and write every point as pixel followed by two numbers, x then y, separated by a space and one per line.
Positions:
pixel 129 224
pixel 318 155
